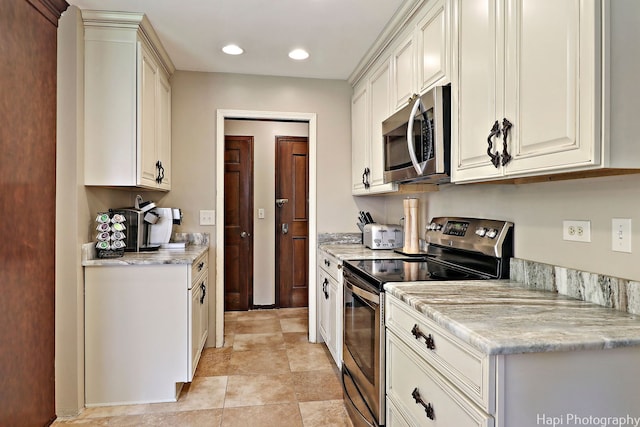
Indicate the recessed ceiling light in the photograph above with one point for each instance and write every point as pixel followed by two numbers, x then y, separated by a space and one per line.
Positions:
pixel 232 49
pixel 298 54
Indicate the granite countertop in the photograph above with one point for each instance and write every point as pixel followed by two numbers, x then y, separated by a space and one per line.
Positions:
pixel 358 251
pixel 501 317
pixel 161 256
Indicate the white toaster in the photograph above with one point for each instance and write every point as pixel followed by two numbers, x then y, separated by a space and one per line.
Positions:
pixel 381 236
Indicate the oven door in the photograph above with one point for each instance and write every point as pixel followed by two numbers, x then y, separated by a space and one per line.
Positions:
pixel 363 352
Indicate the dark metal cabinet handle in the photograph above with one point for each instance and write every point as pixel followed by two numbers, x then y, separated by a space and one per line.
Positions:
pixel 327 262
pixel 495 132
pixel 428 408
pixel 365 178
pixel 506 129
pixel 204 292
pixel 417 333
pixel 160 172
pixel 201 266
pixel 324 288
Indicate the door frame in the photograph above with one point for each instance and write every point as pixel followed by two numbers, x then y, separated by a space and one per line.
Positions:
pixel 311 119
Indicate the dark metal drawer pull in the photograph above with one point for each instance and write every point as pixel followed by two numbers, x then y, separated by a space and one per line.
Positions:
pixel 428 408
pixel 201 266
pixel 431 345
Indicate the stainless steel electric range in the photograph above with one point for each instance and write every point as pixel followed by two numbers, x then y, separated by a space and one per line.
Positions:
pixel 457 249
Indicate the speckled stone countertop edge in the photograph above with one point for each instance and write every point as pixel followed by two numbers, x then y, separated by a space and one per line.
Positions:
pixel 357 251
pixel 159 257
pixel 494 334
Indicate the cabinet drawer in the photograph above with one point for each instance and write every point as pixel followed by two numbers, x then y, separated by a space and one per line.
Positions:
pixel 439 404
pixel 467 368
pixel 331 265
pixel 199 267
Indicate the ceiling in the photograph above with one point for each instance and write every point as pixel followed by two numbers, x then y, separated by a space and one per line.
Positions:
pixel 336 33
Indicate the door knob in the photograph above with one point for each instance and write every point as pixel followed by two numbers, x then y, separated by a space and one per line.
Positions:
pixel 244 234
pixel 285 228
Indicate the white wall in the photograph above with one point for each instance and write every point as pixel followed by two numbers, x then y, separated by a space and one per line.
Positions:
pixel 264 133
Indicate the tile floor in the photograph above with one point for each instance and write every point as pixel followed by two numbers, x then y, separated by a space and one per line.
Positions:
pixel 267 374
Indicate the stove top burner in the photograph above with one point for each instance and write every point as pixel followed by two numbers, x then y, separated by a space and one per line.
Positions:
pixel 381 271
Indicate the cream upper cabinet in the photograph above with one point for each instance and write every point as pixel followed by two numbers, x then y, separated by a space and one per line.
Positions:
pixel 369 107
pixel 127 102
pixel 433 46
pixel 528 80
pixel 421 58
pixel 404 71
pixel 359 139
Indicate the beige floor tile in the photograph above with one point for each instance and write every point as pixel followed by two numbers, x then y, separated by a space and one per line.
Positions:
pixel 205 393
pixel 259 362
pixel 317 385
pixel 203 418
pixel 260 326
pixel 112 411
pixel 247 342
pixel 214 362
pixel 294 338
pixel 328 413
pixel 293 312
pixel 254 390
pixel 244 316
pixel 294 324
pixel 281 415
pixel 309 357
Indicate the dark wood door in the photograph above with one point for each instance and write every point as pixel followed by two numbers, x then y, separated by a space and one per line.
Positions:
pixel 28 209
pixel 292 221
pixel 238 222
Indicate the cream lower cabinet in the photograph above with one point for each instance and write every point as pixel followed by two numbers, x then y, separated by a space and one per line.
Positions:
pixel 330 299
pixel 528 85
pixel 145 327
pixel 436 379
pixel 127 102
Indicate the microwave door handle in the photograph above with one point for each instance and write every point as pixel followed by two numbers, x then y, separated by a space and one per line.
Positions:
pixel 412 151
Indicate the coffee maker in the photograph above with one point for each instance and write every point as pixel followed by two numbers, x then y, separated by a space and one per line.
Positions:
pixel 161 229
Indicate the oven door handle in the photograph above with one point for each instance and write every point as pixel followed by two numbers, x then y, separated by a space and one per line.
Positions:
pixel 412 149
pixel 369 296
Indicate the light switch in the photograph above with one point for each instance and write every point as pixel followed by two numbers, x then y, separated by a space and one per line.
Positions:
pixel 621 235
pixel 207 217
pixel 261 213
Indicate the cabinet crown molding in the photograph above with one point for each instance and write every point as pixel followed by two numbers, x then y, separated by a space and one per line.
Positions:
pixel 133 21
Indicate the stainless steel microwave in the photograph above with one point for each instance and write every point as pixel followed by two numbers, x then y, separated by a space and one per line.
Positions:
pixel 417 139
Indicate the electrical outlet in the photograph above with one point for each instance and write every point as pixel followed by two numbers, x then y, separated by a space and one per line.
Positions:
pixel 621 235
pixel 576 231
pixel 207 217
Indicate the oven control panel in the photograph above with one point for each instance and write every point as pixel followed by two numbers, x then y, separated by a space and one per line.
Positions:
pixel 486 236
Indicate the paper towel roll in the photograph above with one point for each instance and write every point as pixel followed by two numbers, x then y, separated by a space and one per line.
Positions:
pixel 411 243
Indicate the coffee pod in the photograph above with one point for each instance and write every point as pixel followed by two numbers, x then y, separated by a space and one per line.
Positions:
pixel 118 235
pixel 104 237
pixel 118 244
pixel 118 218
pixel 118 226
pixel 102 227
pixel 103 218
pixel 102 245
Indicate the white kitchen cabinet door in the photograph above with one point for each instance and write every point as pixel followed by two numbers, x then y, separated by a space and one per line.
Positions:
pixel 149 116
pixel 550 84
pixel 164 131
pixel 531 64
pixel 359 139
pixel 477 102
pixel 404 71
pixel 326 324
pixel 199 327
pixel 433 46
pixel 380 99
